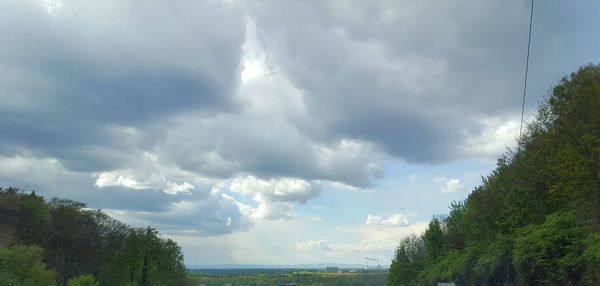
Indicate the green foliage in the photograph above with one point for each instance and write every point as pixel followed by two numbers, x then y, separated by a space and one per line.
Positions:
pixel 23 266
pixel 535 219
pixel 446 269
pixel 7 278
pixel 550 253
pixel 78 241
pixel 408 262
pixel 489 261
pixel 72 249
pixel 83 280
pixel 35 222
pixel 592 256
pixel 433 238
pixel 592 252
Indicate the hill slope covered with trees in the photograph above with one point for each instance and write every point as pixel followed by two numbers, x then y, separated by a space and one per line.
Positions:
pixel 61 242
pixel 535 220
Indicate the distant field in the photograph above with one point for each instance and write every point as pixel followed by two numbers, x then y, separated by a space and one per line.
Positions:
pixel 270 277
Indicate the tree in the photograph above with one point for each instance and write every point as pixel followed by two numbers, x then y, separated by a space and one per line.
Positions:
pixel 74 246
pixel 434 241
pixel 35 222
pixel 592 257
pixel 409 261
pixel 574 114
pixel 550 253
pixel 23 266
pixel 79 242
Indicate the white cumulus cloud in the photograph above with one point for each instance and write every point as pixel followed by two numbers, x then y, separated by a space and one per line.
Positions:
pixel 273 210
pixel 275 196
pixel 453 185
pixel 313 246
pixel 115 179
pixel 391 220
pixel 137 180
pixel 283 189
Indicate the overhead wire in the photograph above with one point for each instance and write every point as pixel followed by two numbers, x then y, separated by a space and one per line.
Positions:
pixel 526 74
pixel 522 114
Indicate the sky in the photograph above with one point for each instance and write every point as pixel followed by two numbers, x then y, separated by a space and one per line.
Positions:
pixel 274 132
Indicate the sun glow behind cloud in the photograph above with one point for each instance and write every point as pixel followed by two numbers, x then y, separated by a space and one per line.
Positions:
pixel 254 57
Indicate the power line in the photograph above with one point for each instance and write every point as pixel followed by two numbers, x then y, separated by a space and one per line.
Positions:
pixel 526 73
pixel 522 115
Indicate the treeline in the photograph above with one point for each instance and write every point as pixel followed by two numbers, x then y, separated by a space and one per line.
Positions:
pixel 535 220
pixel 302 278
pixel 69 244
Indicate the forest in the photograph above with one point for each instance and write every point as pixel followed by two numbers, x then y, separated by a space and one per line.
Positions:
pixel 62 242
pixel 535 220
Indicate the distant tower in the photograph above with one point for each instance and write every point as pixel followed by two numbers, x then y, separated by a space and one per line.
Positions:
pixel 372 263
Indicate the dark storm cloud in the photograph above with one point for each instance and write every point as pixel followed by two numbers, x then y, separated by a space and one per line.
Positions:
pixel 70 75
pixel 211 216
pixel 411 78
pixel 415 77
pixel 89 87
pixel 227 145
pixel 404 132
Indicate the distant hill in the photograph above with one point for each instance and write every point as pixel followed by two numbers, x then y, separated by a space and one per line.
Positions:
pixel 276 266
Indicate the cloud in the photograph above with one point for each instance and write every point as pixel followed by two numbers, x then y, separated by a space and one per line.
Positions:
pixel 430 97
pixel 453 185
pixel 496 136
pixel 412 178
pixel 127 75
pixel 51 6
pixel 313 246
pixel 342 186
pixel 111 179
pixel 310 90
pixel 146 171
pixel 214 214
pixel 364 246
pixel 275 196
pixel 199 212
pixel 175 188
pixel 283 189
pixel 313 90
pixel 273 210
pixel 376 242
pixel 391 220
pixel 126 179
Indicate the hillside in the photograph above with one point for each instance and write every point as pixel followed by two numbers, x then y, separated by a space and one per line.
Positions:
pixel 61 242
pixel 9 220
pixel 535 220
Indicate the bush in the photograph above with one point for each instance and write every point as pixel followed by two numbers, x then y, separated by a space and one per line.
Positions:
pixel 83 280
pixel 550 253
